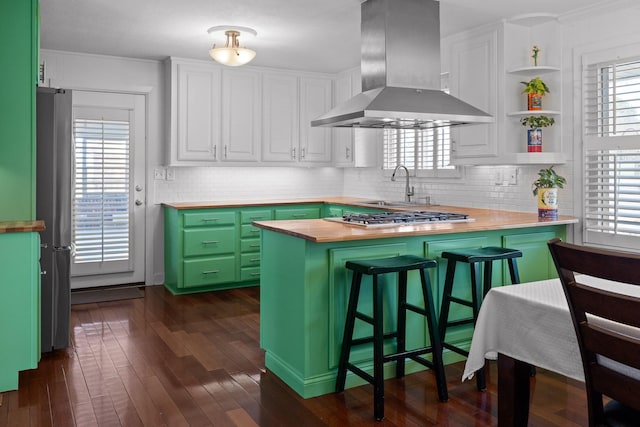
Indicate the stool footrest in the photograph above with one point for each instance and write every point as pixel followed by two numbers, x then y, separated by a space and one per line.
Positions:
pixel 416 309
pixel 364 317
pixel 359 372
pixel 461 301
pixel 460 322
pixel 367 340
pixel 409 354
pixel 455 349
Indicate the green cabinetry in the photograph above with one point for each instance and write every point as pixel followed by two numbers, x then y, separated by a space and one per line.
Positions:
pixel 19 64
pixel 19 306
pixel 304 290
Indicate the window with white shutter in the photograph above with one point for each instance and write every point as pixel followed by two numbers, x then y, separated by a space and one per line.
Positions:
pixel 612 153
pixel 101 217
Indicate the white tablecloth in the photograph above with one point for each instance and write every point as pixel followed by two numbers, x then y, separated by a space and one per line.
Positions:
pixel 531 322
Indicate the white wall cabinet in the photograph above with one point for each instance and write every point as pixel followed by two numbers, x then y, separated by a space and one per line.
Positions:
pixel 280 126
pixel 315 100
pixel 485 69
pixel 195 117
pixel 353 147
pixel 241 115
pixel 474 78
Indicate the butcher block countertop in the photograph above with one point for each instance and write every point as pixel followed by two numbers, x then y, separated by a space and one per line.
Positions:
pixel 323 231
pixel 248 203
pixel 21 226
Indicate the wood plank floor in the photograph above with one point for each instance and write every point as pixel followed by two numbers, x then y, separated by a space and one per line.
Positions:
pixel 195 360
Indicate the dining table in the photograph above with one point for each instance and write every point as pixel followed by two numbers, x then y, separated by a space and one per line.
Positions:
pixel 529 324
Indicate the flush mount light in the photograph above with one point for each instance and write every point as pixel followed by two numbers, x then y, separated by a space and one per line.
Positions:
pixel 232 54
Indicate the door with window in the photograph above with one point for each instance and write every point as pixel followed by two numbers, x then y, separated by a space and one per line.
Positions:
pixel 108 222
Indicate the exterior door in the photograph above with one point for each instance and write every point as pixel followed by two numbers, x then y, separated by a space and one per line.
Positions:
pixel 108 220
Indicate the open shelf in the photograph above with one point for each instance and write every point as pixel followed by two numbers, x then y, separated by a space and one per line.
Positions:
pixel 523 113
pixel 540 69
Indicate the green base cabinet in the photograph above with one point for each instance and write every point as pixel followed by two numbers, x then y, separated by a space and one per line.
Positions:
pixel 19 306
pixel 305 286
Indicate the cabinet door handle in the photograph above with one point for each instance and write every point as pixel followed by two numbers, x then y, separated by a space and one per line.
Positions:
pixel 210 242
pixel 453 145
pixel 210 219
pixel 293 153
pixel 302 153
pixel 299 215
pixel 348 154
pixel 211 272
pixel 215 152
pixel 225 151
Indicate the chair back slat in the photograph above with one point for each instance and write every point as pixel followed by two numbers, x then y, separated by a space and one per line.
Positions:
pixel 605 322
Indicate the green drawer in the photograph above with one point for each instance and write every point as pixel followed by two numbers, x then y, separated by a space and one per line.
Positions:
pixel 210 241
pixel 209 271
pixel 247 217
pixel 298 213
pixel 334 212
pixel 249 245
pixel 249 230
pixel 249 273
pixel 209 218
pixel 250 260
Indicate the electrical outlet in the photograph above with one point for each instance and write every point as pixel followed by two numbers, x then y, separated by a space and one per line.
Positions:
pixel 171 174
pixel 497 176
pixel 159 173
pixel 512 176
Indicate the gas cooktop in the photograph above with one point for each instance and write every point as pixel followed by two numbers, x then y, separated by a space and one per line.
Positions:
pixel 390 219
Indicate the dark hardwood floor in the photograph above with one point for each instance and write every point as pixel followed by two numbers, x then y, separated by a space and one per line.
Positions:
pixel 195 360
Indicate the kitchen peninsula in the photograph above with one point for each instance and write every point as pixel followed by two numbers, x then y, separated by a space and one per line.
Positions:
pixel 304 285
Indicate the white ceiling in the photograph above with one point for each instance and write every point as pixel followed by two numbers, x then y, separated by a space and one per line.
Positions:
pixel 314 35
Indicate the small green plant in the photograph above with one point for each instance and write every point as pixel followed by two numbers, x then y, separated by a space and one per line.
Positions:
pixel 548 178
pixel 536 86
pixel 535 122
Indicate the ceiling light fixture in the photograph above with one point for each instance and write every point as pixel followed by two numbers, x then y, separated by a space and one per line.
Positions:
pixel 232 54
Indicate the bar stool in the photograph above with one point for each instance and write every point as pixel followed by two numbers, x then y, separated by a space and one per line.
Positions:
pixel 374 267
pixel 474 257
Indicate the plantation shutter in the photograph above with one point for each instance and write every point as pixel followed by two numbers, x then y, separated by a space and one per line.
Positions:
pixel 612 153
pixel 101 214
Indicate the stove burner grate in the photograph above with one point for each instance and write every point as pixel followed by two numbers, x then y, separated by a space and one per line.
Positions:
pixel 403 217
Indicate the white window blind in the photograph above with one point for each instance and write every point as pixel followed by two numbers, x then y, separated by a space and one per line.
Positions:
pixel 418 149
pixel 612 154
pixel 101 216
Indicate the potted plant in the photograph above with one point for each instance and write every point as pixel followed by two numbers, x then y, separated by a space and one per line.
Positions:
pixel 534 133
pixel 535 90
pixel 545 188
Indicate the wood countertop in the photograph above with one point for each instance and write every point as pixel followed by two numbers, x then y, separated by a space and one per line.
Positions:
pixel 323 231
pixel 21 226
pixel 248 203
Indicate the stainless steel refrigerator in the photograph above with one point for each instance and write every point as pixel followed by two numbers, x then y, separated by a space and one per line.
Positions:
pixel 53 205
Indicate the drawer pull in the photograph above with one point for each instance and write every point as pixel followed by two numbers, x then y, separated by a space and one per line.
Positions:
pixel 210 242
pixel 255 231
pixel 255 245
pixel 255 260
pixel 210 219
pixel 255 218
pixel 299 215
pixel 211 272
pixel 254 274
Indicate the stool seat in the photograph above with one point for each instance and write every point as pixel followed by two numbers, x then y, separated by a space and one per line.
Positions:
pixel 390 265
pixel 489 253
pixel 402 265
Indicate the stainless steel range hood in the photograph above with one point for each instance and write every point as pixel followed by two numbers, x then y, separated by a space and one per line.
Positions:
pixel 401 72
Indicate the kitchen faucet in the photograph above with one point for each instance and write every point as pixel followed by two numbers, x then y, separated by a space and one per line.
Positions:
pixel 408 191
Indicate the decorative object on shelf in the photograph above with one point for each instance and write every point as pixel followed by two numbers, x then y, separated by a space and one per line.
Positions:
pixel 534 133
pixel 545 188
pixel 535 90
pixel 535 50
pixel 232 54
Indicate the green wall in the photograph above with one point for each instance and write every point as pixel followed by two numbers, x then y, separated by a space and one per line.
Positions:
pixel 18 68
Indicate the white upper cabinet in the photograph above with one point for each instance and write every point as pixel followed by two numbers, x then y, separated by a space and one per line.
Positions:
pixel 473 78
pixel 195 113
pixel 353 147
pixel 315 100
pixel 486 68
pixel 221 115
pixel 241 115
pixel 280 126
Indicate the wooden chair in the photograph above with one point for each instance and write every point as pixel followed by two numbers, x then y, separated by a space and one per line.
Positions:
pixel 595 339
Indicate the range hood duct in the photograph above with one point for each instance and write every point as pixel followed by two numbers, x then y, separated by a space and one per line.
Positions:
pixel 400 68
